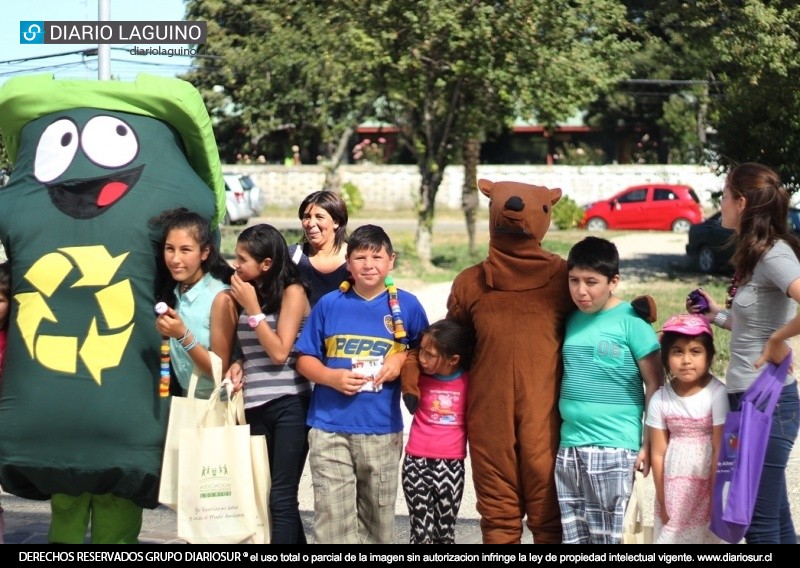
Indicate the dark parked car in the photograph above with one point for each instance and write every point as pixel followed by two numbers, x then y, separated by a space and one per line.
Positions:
pixel 707 243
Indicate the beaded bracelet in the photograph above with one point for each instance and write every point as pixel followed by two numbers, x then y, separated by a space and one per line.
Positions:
pixel 721 318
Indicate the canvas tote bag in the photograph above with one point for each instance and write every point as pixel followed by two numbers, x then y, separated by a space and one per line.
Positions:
pixel 634 529
pixel 186 412
pixel 262 480
pixel 741 457
pixel 216 495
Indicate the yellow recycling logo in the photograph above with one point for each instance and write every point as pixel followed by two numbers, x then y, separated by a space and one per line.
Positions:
pixel 60 352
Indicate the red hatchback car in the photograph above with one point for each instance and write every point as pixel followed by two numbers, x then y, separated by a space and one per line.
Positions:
pixel 660 207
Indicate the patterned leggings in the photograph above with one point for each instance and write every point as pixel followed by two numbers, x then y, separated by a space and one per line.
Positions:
pixel 433 489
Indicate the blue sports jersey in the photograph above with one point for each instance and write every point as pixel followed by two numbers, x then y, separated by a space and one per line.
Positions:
pixel 343 327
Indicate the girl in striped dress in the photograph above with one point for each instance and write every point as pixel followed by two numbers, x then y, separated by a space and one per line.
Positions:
pixel 274 301
pixel 686 418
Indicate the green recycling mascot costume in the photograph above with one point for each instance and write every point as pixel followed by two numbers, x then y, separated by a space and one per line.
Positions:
pixel 82 418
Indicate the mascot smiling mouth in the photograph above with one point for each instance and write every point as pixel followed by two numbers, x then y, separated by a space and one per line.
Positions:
pixel 512 223
pixel 88 198
pixel 506 230
pixel 511 219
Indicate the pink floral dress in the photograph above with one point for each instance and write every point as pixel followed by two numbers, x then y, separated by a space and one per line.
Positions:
pixel 687 463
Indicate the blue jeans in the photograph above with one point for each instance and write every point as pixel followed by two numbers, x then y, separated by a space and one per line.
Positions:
pixel 772 519
pixel 283 422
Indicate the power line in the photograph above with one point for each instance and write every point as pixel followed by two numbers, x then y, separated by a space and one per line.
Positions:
pixel 196 55
pixel 43 68
pixel 90 52
pixel 668 82
pixel 175 66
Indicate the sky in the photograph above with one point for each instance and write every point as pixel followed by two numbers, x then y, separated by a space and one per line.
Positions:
pixel 123 65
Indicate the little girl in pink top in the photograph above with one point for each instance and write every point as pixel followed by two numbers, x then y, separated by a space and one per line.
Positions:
pixel 433 469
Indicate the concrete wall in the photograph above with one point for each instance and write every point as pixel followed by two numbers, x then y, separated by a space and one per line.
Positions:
pixel 393 187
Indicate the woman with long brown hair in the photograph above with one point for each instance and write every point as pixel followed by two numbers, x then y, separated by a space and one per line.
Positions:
pixel 761 313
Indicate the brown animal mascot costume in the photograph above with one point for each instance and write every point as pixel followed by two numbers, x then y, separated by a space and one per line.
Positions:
pixel 516 302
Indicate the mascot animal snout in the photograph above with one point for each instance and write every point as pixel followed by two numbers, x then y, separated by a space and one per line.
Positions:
pixel 515 203
pixel 519 211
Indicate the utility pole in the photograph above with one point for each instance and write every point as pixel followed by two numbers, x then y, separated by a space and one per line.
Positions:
pixel 702 109
pixel 103 49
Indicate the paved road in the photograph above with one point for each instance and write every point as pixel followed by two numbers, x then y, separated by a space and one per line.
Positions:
pixel 26 521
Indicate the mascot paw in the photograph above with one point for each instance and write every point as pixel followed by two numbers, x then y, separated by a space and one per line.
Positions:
pixel 411 402
pixel 645 308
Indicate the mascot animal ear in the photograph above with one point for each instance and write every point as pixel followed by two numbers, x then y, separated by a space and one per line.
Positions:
pixel 645 308
pixel 485 186
pixel 555 195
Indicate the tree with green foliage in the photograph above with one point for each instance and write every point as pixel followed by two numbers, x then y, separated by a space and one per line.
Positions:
pixel 682 129
pixel 452 70
pixel 296 67
pixel 758 118
pixel 718 66
pixel 666 97
pixel 443 71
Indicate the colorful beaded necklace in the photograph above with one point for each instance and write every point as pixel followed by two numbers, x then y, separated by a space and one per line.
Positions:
pixel 163 385
pixel 400 334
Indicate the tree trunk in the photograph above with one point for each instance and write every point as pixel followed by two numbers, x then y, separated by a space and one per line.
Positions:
pixel 425 213
pixel 469 191
pixel 333 181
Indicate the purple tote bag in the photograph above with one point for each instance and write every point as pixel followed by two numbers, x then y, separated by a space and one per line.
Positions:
pixel 741 457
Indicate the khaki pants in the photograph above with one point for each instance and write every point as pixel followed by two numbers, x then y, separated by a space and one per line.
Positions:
pixel 355 480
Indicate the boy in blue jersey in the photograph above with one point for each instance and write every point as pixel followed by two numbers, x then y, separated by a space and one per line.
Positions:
pixel 608 352
pixel 353 348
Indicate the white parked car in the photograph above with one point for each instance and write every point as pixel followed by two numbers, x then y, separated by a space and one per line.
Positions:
pixel 243 199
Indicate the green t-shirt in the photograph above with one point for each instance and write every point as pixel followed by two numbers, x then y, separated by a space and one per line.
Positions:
pixel 602 397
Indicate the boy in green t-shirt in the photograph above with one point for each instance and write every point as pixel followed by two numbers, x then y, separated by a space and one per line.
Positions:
pixel 608 351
